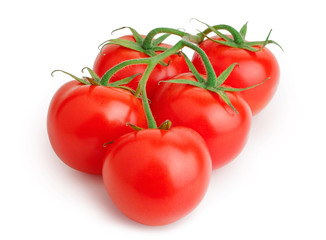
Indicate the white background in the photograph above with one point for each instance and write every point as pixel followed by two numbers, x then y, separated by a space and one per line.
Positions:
pixel 274 190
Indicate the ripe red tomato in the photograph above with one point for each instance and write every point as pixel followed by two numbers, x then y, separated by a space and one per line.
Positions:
pixel 112 55
pixel 224 131
pixel 254 68
pixel 155 176
pixel 81 118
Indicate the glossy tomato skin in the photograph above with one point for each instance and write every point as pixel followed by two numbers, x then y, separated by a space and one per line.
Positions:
pixel 224 131
pixel 254 68
pixel 156 177
pixel 81 118
pixel 112 55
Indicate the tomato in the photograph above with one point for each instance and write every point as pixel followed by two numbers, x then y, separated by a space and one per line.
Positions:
pixel 156 177
pixel 112 55
pixel 81 118
pixel 254 68
pixel 224 130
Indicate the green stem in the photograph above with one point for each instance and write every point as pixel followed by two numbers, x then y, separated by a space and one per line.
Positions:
pixel 174 49
pixel 211 76
pixel 153 61
pixel 151 123
pixel 147 43
pixel 106 77
pixel 235 34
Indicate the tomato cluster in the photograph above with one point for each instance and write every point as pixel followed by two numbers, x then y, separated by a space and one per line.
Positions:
pixel 106 124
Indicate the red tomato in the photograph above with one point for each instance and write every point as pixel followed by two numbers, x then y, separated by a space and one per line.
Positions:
pixel 81 118
pixel 254 68
pixel 114 54
pixel 156 177
pixel 224 131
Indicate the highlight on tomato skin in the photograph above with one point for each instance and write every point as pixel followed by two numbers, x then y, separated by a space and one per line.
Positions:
pixel 225 131
pixel 156 177
pixel 254 68
pixel 81 118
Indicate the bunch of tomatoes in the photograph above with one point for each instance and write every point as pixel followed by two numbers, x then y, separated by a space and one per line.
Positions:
pixel 154 123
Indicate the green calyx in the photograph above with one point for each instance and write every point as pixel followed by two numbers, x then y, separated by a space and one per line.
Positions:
pixel 238 37
pixel 211 82
pixel 166 125
pixel 138 44
pixel 97 81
